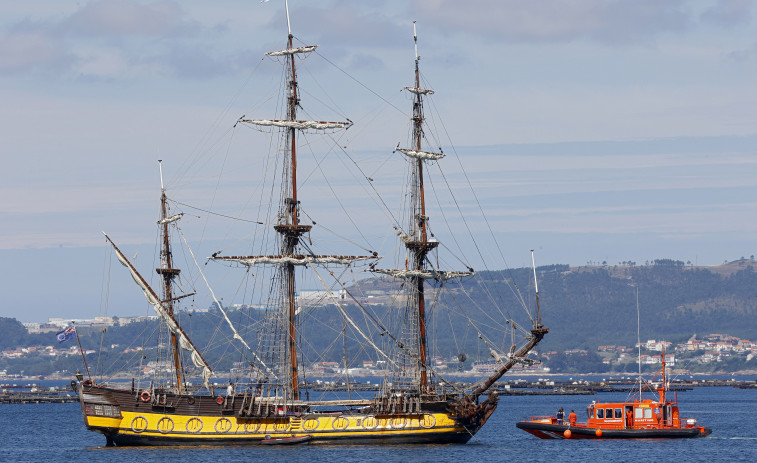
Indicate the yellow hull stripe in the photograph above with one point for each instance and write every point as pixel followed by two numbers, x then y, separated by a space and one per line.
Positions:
pixel 231 427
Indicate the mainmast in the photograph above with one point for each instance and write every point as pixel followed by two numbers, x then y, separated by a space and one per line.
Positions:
pixel 289 228
pixel 420 246
pixel 168 273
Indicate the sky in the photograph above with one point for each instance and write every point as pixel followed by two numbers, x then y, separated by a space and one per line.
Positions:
pixel 591 130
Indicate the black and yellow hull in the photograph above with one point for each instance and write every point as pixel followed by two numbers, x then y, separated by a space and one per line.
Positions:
pixel 126 419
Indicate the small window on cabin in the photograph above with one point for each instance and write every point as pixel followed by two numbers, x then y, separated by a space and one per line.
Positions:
pixel 600 413
pixel 608 413
pixel 648 413
pixel 638 413
pixel 618 413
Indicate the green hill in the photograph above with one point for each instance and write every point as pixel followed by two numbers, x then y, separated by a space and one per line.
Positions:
pixel 584 307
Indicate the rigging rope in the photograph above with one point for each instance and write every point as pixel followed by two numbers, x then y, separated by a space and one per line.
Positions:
pixel 220 307
pixel 215 213
pixel 516 290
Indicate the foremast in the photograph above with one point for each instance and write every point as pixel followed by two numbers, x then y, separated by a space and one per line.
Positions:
pixel 160 307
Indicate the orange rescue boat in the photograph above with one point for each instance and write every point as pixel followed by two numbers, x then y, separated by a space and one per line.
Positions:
pixel 634 419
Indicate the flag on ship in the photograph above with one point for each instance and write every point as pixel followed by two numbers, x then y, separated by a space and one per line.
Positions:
pixel 66 334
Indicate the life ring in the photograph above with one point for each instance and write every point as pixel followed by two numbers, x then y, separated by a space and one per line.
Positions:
pixel 219 400
pixel 139 424
pixel 223 425
pixel 310 423
pixel 191 400
pixel 340 423
pixel 369 422
pixel 398 423
pixel 145 396
pixel 165 425
pixel 427 421
pixel 194 425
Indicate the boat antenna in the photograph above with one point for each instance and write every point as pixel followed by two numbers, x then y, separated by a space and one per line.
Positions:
pixel 664 386
pixel 638 337
pixel 536 287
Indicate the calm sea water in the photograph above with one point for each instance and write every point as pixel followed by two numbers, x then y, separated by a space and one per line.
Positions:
pixel 48 432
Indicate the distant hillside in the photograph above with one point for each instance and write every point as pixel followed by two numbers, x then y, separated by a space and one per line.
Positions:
pixel 584 307
pixel 590 306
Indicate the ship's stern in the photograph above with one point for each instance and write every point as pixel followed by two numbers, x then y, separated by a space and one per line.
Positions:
pixel 100 410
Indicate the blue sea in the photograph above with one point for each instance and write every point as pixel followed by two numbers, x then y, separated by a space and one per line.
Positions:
pixel 55 432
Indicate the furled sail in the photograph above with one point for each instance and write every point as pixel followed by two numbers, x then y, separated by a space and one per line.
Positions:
pixel 173 218
pixel 293 51
pixel 441 275
pixel 299 259
pixel 317 125
pixel 424 155
pixel 419 91
pixel 170 321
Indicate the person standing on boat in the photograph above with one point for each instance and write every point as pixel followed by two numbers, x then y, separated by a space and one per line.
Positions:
pixel 629 419
pixel 572 418
pixel 560 416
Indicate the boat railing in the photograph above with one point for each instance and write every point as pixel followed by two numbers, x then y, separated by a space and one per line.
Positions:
pixel 689 422
pixel 545 419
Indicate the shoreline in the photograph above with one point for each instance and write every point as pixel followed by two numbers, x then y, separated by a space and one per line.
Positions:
pixel 222 378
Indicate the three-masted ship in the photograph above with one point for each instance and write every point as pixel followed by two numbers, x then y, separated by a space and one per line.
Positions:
pixel 415 404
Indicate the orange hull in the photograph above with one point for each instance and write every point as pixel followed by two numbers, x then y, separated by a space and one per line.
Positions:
pixel 544 430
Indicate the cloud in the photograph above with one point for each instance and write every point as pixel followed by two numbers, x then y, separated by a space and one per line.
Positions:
pixel 549 21
pixel 27 49
pixel 347 20
pixel 728 13
pixel 365 62
pixel 120 18
pixel 344 26
pixel 114 39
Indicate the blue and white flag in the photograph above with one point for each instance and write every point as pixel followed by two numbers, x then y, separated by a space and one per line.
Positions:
pixel 66 334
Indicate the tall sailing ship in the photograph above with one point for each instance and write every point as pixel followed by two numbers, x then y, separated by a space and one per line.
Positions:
pixel 272 405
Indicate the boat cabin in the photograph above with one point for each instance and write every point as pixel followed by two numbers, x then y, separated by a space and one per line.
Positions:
pixel 629 415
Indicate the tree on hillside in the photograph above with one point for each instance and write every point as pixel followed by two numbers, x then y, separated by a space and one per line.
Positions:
pixel 13 333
